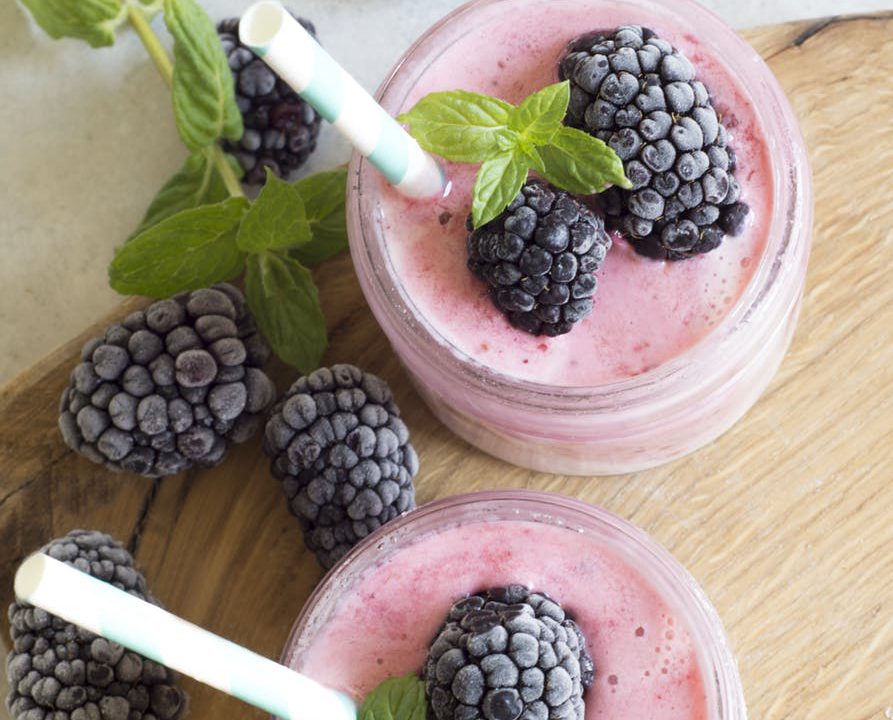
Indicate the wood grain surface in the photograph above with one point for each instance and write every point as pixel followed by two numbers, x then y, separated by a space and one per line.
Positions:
pixel 787 520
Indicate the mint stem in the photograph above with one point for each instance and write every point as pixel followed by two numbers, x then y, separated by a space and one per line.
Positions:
pixel 151 43
pixel 226 171
pixel 165 68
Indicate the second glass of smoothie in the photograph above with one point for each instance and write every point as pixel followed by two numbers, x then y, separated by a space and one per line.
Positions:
pixel 657 645
pixel 673 352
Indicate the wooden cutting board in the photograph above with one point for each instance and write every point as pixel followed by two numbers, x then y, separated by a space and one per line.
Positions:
pixel 787 520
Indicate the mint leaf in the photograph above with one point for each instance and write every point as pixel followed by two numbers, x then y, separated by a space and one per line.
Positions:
pixel 93 21
pixel 533 158
pixel 580 163
pixel 204 101
pixel 189 250
pixel 508 141
pixel 324 197
pixel 196 183
pixel 497 183
pixel 459 125
pixel 396 699
pixel 276 219
pixel 539 117
pixel 285 306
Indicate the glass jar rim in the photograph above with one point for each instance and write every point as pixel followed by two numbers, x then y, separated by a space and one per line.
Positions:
pixel 715 657
pixel 766 293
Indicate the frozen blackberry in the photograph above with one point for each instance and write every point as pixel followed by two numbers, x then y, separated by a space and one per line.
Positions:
pixel 280 127
pixel 539 259
pixel 170 386
pixel 343 455
pixel 508 654
pixel 639 94
pixel 59 671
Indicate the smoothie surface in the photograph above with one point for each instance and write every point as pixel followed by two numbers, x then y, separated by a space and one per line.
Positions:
pixel 646 666
pixel 645 311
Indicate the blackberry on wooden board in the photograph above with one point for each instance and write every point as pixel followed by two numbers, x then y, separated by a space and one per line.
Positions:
pixel 170 386
pixel 343 455
pixel 59 671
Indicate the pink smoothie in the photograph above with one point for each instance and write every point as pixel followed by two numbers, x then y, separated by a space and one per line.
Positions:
pixel 646 312
pixel 646 665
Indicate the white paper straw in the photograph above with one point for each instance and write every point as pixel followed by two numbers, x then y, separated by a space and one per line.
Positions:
pixel 280 40
pixel 160 636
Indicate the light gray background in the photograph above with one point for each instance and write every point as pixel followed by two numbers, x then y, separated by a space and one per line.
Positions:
pixel 87 137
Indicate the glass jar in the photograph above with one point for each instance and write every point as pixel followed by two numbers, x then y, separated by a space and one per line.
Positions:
pixel 640 421
pixel 590 529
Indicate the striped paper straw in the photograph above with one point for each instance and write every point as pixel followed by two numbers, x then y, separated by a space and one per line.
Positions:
pixel 148 630
pixel 274 35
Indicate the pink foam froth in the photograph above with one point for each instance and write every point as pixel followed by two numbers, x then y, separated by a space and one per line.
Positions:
pixel 646 312
pixel 646 665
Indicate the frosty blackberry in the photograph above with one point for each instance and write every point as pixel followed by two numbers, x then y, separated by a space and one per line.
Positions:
pixel 280 127
pixel 638 94
pixel 61 671
pixel 538 259
pixel 505 654
pixel 342 452
pixel 170 386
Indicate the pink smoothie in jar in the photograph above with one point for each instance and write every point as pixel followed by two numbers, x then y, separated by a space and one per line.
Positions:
pixel 646 311
pixel 674 352
pixel 658 648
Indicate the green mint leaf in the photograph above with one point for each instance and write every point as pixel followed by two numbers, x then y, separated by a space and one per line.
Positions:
pixel 459 125
pixel 534 159
pixel 204 100
pixel 540 115
pixel 468 127
pixel 189 250
pixel 400 698
pixel 196 183
pixel 324 197
pixel 580 163
pixel 93 21
pixel 497 183
pixel 285 305
pixel 276 220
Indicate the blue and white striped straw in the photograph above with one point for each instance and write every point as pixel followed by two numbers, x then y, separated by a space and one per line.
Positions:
pixel 160 636
pixel 274 35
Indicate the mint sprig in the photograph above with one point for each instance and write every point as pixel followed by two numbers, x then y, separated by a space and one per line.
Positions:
pixel 186 251
pixel 285 305
pixel 459 125
pixel 269 240
pixel 204 102
pixel 198 182
pixel 323 195
pixel 400 698
pixel 539 116
pixel 93 21
pixel 497 183
pixel 199 228
pixel 572 161
pixel 276 221
pixel 508 141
